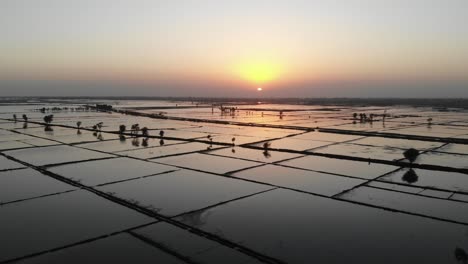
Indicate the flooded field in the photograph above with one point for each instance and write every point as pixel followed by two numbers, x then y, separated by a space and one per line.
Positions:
pixel 232 183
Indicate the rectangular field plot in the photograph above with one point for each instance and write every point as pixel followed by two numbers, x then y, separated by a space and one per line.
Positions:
pixel 451 181
pixel 308 181
pixel 362 151
pixel 27 184
pixel 209 163
pixel 411 203
pixel 254 154
pixel 343 167
pixel 182 191
pixel 55 154
pixel 167 150
pixel 6 164
pixel 110 170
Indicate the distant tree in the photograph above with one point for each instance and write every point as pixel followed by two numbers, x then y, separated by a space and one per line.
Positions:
pixel 161 133
pixel 136 142
pixel 25 117
pixel 78 124
pixel 411 154
pixel 144 143
pixel 99 126
pixel 233 140
pixel 410 176
pixel 429 121
pixel 14 117
pixel 48 119
pixel 144 131
pixel 266 151
pixel 355 115
pixel 134 129
pixel 122 129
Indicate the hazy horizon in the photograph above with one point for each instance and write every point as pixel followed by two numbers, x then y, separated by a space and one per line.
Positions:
pixel 356 49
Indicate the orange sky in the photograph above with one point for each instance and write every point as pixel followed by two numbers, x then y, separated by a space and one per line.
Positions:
pixel 281 46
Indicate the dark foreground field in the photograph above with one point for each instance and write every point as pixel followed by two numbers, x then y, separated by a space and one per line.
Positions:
pixel 279 182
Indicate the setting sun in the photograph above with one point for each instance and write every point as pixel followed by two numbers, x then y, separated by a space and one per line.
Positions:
pixel 258 72
pixel 259 89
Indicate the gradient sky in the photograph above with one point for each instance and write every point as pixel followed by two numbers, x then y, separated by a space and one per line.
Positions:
pixel 346 48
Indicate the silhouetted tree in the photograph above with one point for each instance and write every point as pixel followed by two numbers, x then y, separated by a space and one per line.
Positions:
pixel 233 140
pixel 134 129
pixel 161 133
pixel 122 129
pixel 25 117
pixel 48 119
pixel 78 124
pixel 99 126
pixel 410 176
pixel 411 154
pixel 355 116
pixel 14 118
pixel 144 143
pixel 429 121
pixel 144 131
pixel 161 142
pixel 461 255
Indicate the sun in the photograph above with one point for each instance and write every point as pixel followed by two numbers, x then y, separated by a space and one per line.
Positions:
pixel 259 89
pixel 258 72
